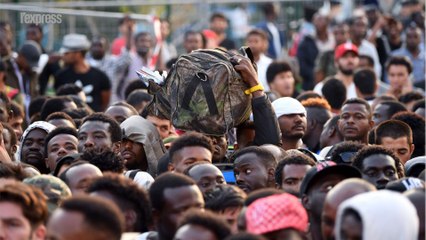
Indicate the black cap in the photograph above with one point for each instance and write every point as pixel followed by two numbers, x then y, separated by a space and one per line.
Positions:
pixel 405 184
pixel 31 51
pixel 70 158
pixel 326 168
pixel 415 166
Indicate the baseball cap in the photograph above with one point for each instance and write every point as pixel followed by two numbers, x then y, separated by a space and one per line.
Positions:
pixel 31 51
pixel 54 189
pixel 326 168
pixel 405 184
pixel 415 166
pixel 287 106
pixel 74 42
pixel 344 48
pixel 276 212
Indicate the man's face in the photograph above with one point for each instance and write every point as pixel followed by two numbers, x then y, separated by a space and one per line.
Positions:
pixel 219 25
pixel 134 155
pixel 192 42
pixel 70 225
pixel 80 177
pixel 250 172
pixel 7 142
pixel 94 135
pixel 328 219
pixel 413 37
pixel 292 176
pixel 220 145
pixel 257 44
pixel 318 191
pixel 189 156
pixel 163 125
pixel 59 146
pixel 143 44
pixel 351 227
pixel 207 176
pixel 119 113
pixel 13 224
pixel 354 122
pixel 398 76
pixel 359 28
pixel 34 34
pixel 32 151
pixel 16 123
pixel 283 84
pixel 70 58
pixel 348 63
pixel 5 47
pixel 381 114
pixel 379 169
pixel 401 147
pixel 97 50
pixel 341 34
pixel 177 201
pixel 293 126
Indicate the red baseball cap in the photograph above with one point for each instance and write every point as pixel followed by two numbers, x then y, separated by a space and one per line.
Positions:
pixel 276 212
pixel 344 48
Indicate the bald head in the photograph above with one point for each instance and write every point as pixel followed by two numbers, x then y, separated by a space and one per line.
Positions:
pixel 341 192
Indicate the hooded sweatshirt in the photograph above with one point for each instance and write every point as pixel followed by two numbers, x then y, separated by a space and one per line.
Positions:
pixel 138 129
pixel 384 215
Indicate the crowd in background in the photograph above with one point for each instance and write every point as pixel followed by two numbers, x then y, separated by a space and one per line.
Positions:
pixel 334 148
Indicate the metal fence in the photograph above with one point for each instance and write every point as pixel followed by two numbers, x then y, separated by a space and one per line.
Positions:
pixel 101 17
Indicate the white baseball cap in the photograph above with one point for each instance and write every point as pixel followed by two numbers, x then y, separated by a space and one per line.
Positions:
pixel 287 106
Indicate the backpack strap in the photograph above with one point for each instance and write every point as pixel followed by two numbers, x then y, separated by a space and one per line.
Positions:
pixel 203 79
pixel 133 173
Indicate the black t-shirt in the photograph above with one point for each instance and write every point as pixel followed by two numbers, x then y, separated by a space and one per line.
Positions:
pixel 93 83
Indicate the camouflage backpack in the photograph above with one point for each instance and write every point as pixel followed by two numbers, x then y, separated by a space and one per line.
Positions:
pixel 204 93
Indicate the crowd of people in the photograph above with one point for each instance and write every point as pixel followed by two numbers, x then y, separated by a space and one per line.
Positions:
pixel 334 148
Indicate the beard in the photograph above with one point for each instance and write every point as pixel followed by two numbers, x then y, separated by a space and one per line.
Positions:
pixel 346 71
pixel 142 51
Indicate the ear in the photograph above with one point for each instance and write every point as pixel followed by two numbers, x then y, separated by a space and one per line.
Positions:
pixel 170 167
pixel 412 147
pixel 116 147
pixel 312 124
pixel 331 131
pixel 46 162
pixel 305 202
pixel 39 233
pixel 14 149
pixel 371 123
pixel 130 218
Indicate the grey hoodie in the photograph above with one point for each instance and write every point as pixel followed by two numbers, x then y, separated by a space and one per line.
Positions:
pixel 140 130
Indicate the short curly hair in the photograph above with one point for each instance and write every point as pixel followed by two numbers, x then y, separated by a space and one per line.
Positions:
pixel 206 219
pixel 114 128
pixel 223 197
pixel 31 199
pixel 296 159
pixel 129 196
pixel 190 139
pixel 106 160
pixel 358 159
